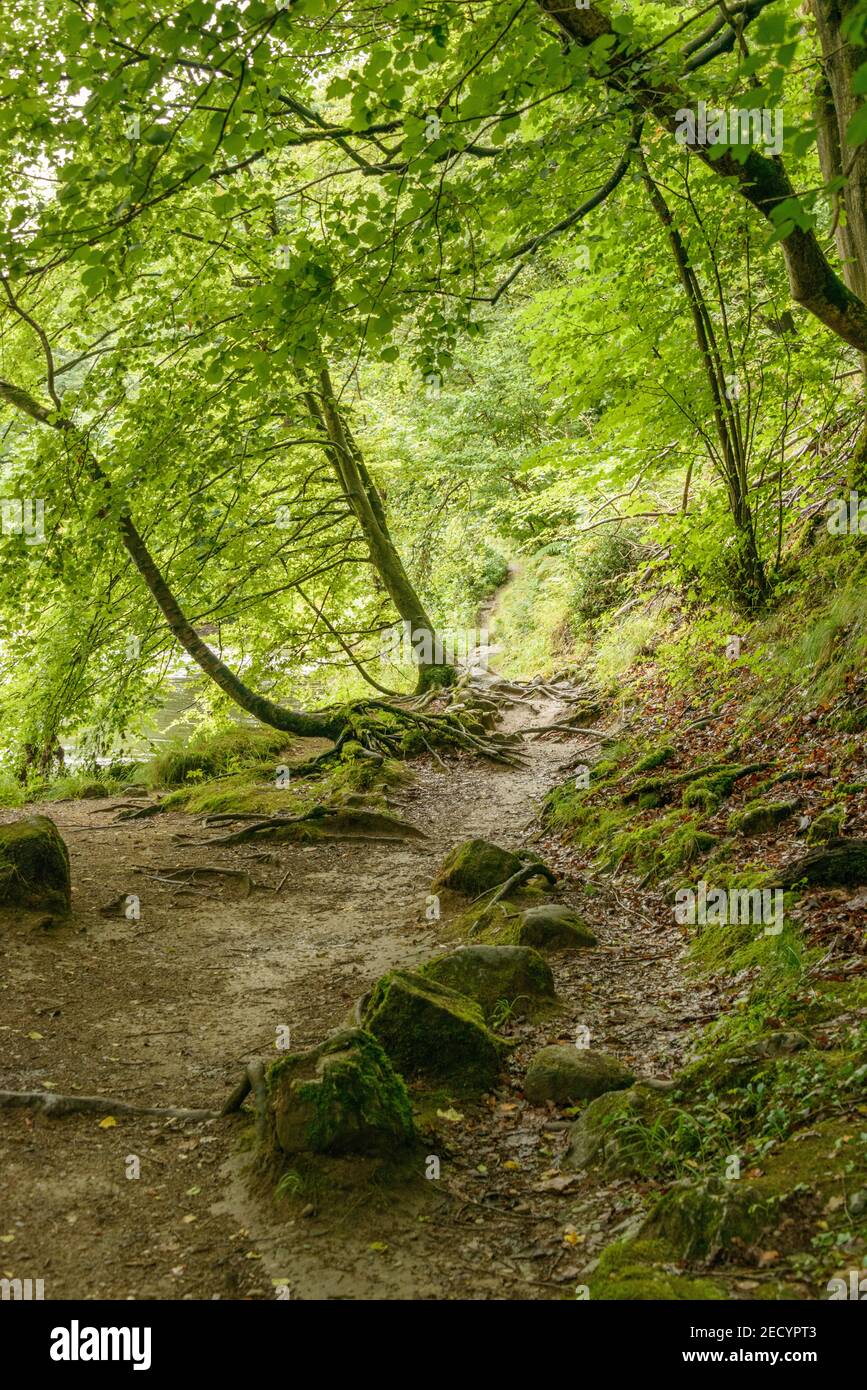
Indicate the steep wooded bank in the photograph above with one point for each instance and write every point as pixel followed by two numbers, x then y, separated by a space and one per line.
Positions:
pixel 433 576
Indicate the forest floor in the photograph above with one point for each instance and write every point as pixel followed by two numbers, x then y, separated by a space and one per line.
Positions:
pixel 167 1010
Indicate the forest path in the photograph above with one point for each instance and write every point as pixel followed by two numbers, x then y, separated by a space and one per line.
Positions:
pixel 167 1010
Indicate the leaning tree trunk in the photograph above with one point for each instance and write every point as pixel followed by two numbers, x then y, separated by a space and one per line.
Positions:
pixel 366 505
pixel 328 724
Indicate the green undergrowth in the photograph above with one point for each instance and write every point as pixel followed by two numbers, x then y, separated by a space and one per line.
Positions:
pixel 209 755
pixel 761 1145
pixel 531 622
pixel 756 1159
pixel 70 786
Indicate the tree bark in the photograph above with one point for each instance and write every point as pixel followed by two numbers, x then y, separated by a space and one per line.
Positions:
pixel 366 504
pixel 837 105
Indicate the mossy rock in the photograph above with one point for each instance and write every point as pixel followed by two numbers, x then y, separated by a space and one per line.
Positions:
pixel 564 1074
pixel 644 1270
pixel 514 975
pixel 34 866
pixel 827 825
pixel 91 791
pixel 341 1097
pixel 475 867
pixel 699 1220
pixel 553 927
pixel 612 1133
pixel 428 1029
pixel 758 819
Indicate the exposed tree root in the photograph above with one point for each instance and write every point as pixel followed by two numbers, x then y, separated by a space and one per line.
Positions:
pixel 522 875
pixel 839 862
pixel 190 873
pixel 332 822
pixel 52 1104
pixel 252 1080
pixel 565 728
pixel 141 813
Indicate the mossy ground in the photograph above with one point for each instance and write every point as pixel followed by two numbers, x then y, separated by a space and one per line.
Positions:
pixel 645 1270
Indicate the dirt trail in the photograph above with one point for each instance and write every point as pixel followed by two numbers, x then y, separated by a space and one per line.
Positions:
pixel 167 1009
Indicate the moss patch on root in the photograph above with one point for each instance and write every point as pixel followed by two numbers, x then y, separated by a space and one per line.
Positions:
pixel 760 817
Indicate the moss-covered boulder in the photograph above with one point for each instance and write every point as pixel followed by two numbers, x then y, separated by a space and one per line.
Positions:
pixel 761 818
pixel 552 927
pixel 475 867
pixel 341 1097
pixel 698 1220
pixel 428 1029
pixel 34 865
pixel 612 1133
pixel 564 1074
pixel 827 825
pixel 644 1269
pixel 492 975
